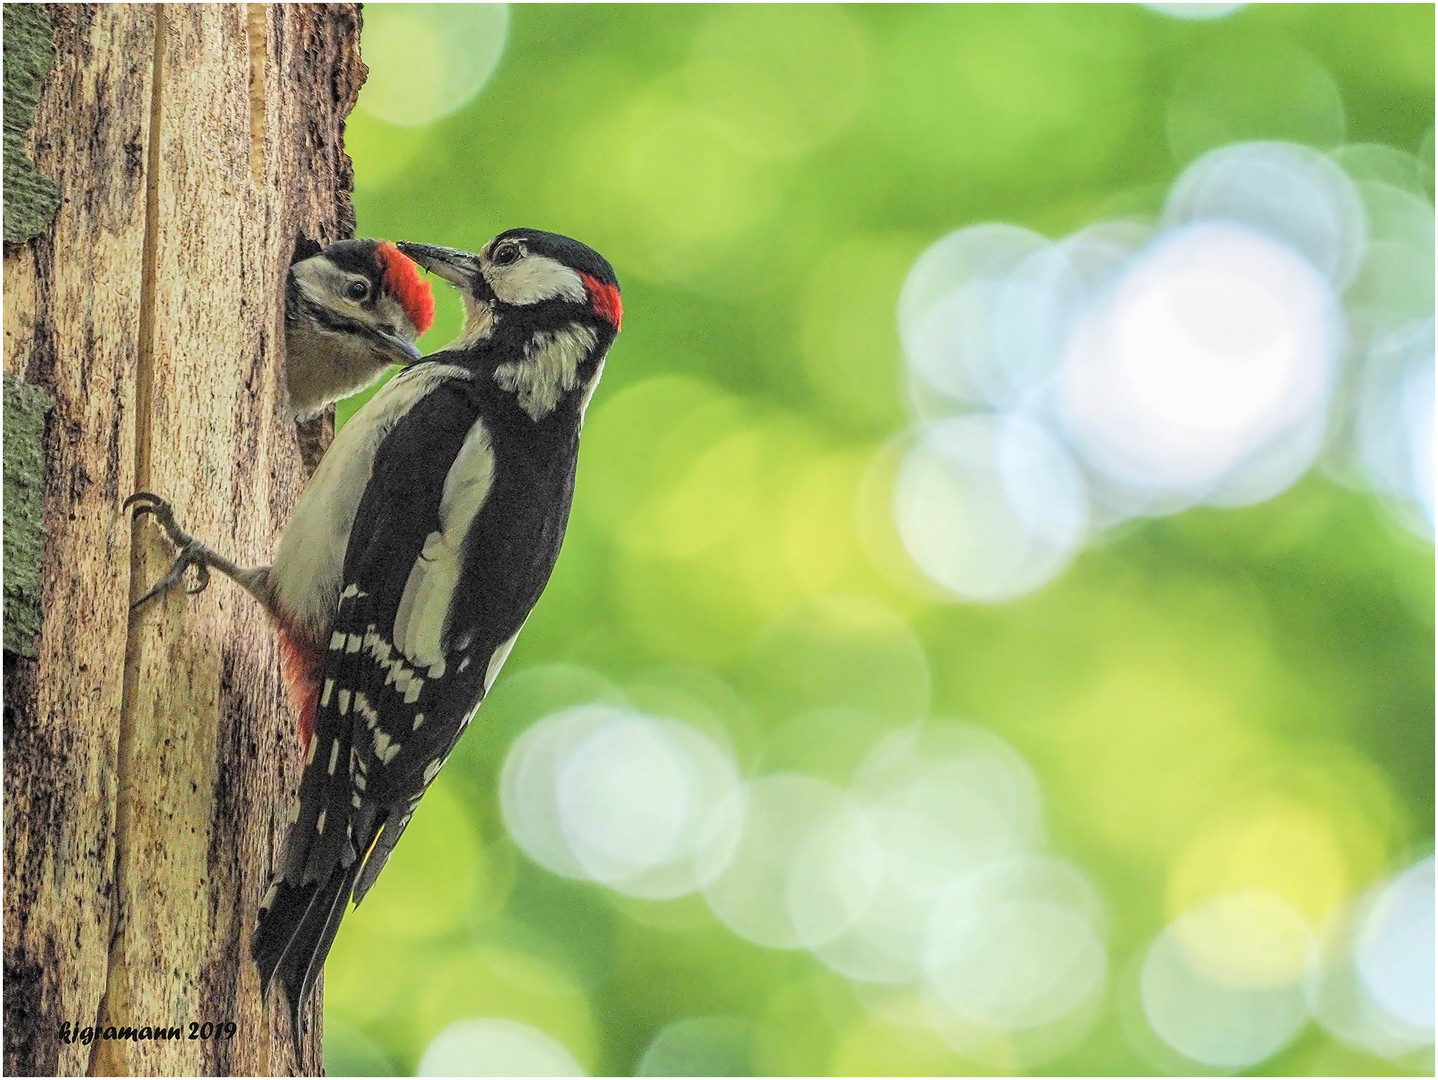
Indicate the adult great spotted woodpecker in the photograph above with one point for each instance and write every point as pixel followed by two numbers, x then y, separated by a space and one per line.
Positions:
pixel 411 562
pixel 351 310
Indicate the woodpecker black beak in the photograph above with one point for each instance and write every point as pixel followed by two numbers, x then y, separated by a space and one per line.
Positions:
pixel 455 266
pixel 399 344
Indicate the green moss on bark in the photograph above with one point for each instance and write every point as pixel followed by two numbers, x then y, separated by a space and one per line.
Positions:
pixel 26 407
pixel 30 199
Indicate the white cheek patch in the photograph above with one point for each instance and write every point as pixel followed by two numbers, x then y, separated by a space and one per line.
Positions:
pixel 323 284
pixel 536 278
pixel 421 622
pixel 316 277
pixel 549 370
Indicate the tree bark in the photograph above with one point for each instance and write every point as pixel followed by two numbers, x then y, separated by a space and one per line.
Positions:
pixel 150 758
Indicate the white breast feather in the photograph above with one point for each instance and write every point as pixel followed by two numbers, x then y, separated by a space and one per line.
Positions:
pixel 550 368
pixel 422 621
pixel 309 565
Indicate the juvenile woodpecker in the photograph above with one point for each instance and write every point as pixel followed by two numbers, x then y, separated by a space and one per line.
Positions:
pixel 351 310
pixel 411 562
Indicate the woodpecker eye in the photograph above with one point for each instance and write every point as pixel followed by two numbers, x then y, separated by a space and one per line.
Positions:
pixel 506 253
pixel 358 290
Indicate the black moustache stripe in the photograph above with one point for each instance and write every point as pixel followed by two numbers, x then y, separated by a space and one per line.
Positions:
pixel 325 319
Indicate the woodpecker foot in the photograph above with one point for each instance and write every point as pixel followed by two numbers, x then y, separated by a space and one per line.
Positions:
pixel 191 551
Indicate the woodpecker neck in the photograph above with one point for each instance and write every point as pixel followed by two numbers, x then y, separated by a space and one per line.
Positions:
pixel 335 364
pixel 541 364
pixel 549 369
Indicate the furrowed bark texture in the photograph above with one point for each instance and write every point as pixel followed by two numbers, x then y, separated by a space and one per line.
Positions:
pixel 149 758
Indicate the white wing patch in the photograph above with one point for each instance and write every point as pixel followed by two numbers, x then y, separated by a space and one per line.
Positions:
pixel 550 368
pixel 422 619
pixel 309 566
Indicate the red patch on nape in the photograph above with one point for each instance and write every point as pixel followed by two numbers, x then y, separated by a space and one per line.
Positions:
pixel 301 665
pixel 604 300
pixel 399 275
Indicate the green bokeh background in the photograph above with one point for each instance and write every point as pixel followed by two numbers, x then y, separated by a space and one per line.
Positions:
pixel 1213 701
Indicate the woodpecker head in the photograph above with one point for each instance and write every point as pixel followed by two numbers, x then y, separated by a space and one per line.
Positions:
pixel 540 308
pixel 352 309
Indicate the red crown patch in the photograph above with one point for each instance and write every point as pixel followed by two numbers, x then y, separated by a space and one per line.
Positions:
pixel 400 277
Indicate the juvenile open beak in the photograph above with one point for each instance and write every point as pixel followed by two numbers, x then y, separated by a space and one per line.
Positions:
pixel 455 266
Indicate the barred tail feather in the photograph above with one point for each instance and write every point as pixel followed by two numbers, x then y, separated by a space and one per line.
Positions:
pixel 295 934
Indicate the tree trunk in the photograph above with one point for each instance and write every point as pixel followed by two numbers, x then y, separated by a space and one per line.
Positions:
pixel 150 758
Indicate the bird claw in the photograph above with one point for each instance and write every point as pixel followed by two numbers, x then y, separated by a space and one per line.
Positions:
pixel 191 551
pixel 147 502
pixel 202 577
pixel 192 554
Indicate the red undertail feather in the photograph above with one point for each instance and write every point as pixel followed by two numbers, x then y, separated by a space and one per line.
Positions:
pixel 401 279
pixel 301 664
pixel 604 299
